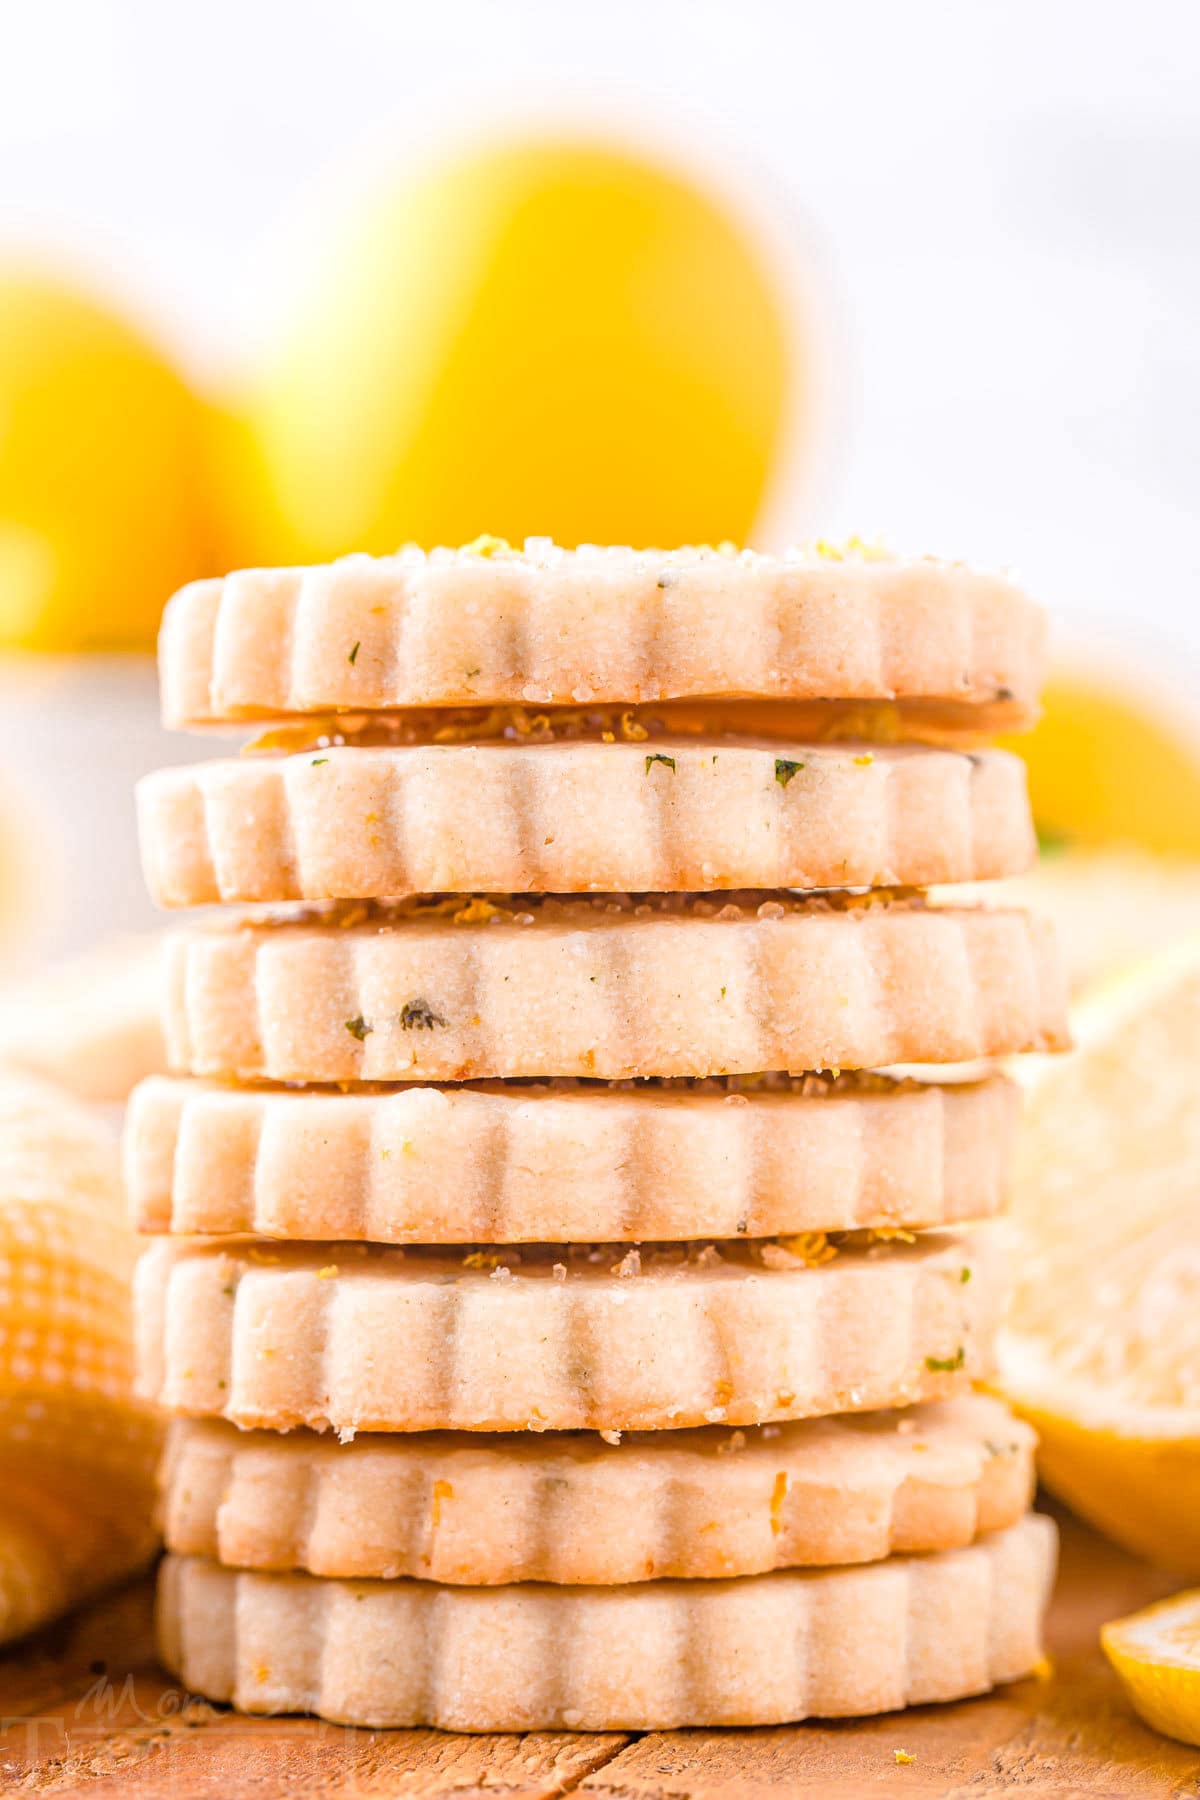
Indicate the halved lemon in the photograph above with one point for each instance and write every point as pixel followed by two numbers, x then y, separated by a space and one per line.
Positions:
pixel 1156 1653
pixel 1102 1350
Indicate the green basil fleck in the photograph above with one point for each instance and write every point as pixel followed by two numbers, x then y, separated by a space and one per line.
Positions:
pixel 419 1015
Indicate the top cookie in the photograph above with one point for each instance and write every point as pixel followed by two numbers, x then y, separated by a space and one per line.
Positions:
pixel 543 626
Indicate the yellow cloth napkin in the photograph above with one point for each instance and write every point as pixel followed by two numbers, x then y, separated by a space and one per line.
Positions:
pixel 77 1452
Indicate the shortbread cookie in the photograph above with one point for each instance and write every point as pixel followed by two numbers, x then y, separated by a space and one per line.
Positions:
pixel 675 815
pixel 560 627
pixel 559 1338
pixel 759 1650
pixel 674 985
pixel 576 1509
pixel 564 1162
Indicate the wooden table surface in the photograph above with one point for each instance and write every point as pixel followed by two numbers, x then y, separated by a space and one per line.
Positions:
pixel 84 1708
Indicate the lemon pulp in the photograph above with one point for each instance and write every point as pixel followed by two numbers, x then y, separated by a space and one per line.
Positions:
pixel 1102 1349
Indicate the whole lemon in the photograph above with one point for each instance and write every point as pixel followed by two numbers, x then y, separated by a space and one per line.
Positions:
pixel 102 453
pixel 537 338
pixel 1110 764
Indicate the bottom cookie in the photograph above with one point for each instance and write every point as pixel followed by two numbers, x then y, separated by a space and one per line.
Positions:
pixel 755 1650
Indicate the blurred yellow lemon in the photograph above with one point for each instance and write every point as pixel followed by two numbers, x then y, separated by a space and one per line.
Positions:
pixel 1156 1653
pixel 102 451
pixel 538 338
pixel 1107 765
pixel 1102 1348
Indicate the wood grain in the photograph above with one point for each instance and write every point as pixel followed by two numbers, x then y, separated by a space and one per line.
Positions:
pixel 85 1709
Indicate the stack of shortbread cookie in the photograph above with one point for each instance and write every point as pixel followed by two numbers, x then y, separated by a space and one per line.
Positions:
pixel 527 1173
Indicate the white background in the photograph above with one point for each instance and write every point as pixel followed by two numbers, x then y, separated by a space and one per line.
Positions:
pixel 1004 196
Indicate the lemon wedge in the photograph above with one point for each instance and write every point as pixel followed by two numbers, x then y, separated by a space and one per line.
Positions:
pixel 1102 1349
pixel 1156 1653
